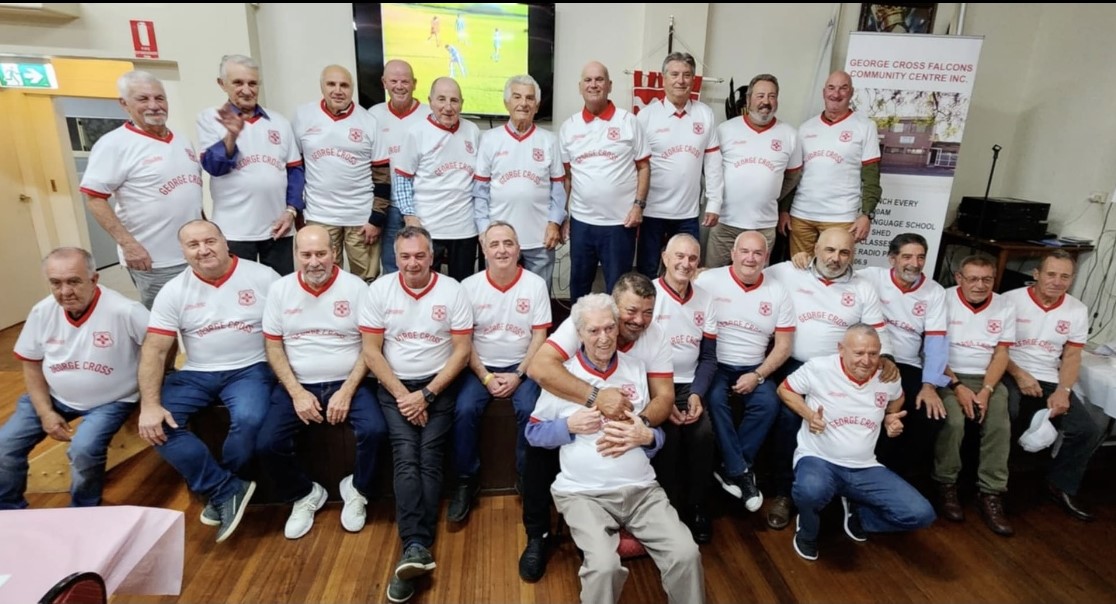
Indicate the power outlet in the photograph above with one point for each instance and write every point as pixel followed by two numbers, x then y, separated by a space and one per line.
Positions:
pixel 1098 197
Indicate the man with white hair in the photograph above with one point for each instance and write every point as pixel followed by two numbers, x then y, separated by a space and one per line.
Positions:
pixel 153 180
pixel 606 481
pixel 256 175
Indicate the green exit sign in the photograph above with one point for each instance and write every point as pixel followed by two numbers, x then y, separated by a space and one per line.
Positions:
pixel 27 75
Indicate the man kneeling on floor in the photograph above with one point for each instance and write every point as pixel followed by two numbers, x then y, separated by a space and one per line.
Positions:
pixel 606 481
pixel 843 402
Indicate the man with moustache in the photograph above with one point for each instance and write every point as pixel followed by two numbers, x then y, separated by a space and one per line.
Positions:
pixel 1051 328
pixel 433 179
pixel 608 172
pixel 256 175
pixel 684 311
pixel 217 308
pixel 394 117
pixel 762 162
pixel 843 403
pixel 80 351
pixel 511 314
pixel 754 331
pixel 338 140
pixel 519 179
pixel 417 330
pixel 683 139
pixel 150 199
pixel 840 170
pixel 313 345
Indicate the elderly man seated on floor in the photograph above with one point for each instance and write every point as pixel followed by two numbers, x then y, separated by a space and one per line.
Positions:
pixel 606 481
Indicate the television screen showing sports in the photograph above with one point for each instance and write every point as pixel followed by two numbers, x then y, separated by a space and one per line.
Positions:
pixel 479 45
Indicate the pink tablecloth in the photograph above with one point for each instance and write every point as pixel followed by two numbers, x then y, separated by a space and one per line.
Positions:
pixel 137 550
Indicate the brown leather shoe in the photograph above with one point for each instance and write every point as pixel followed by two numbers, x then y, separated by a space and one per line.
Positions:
pixel 949 503
pixel 1070 504
pixel 992 511
pixel 778 515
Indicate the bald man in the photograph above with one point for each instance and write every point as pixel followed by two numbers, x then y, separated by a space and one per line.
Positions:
pixel 840 184
pixel 339 141
pixel 313 346
pixel 608 172
pixel 433 179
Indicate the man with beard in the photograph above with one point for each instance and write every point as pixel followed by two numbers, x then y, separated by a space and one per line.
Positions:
pixel 313 345
pixel 762 162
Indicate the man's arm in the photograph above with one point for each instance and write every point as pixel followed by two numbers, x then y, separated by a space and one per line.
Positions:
pixel 459 358
pixel 797 403
pixel 643 178
pixel 791 178
pixel 39 392
pixel 135 255
pixel 870 190
pixel 1059 402
pixel 153 356
pixel 659 407
pixel 548 370
pixel 372 350
pixel 306 405
pixel 337 409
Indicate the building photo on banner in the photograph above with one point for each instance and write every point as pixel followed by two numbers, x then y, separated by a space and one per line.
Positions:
pixel 918 90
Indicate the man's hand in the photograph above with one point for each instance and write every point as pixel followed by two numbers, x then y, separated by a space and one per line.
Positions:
pixel 621 436
pixel 1027 383
pixel 746 383
pixel 231 120
pixel 860 228
pixel 784 223
pixel 56 427
pixel 307 407
pixel 337 410
pixel 928 395
pixel 634 218
pixel 136 256
pixel 817 421
pixel 802 260
pixel 566 230
pixel 282 224
pixel 612 403
pixel 1058 403
pixel 967 399
pixel 889 371
pixel 584 421
pixel 505 384
pixel 893 423
pixel 677 416
pixel 695 410
pixel 151 424
pixel 553 236
pixel 413 407
pixel 370 233
pixel 411 221
pixel 710 220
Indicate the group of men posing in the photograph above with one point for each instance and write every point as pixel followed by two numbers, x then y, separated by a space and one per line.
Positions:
pixel 622 410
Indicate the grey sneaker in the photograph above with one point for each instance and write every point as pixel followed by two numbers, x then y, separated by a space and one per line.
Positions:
pixel 209 515
pixel 400 590
pixel 232 509
pixel 416 561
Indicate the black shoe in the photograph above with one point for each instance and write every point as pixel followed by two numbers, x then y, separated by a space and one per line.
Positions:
pixel 808 550
pixel 852 521
pixel 416 561
pixel 750 493
pixel 532 564
pixel 1070 504
pixel 700 525
pixel 462 501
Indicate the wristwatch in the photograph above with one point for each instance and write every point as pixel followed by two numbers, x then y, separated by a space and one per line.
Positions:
pixel 954 384
pixel 428 395
pixel 519 373
pixel 759 378
pixel 646 422
pixel 592 397
pixel 642 203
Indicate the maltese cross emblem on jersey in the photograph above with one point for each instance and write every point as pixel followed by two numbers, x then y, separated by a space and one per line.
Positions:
pixel 881 399
pixel 848 299
pixel 1062 327
pixel 919 309
pixel 995 326
pixel 102 339
pixel 273 136
pixel 355 134
pixel 341 308
pixel 246 297
pixel 699 318
pixel 523 305
pixel 537 154
pixel 613 134
pixel 699 128
pixel 846 136
pixel 765 309
pixel 776 145
pixel 438 313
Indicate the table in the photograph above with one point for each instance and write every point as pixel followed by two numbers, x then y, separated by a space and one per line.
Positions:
pixel 137 550
pixel 1002 251
pixel 1097 382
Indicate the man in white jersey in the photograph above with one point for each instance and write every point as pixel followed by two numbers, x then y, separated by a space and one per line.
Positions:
pixel 1050 331
pixel 606 481
pixel 417 332
pixel 981 330
pixel 762 162
pixel 511 314
pixel 608 171
pixel 753 331
pixel 683 139
pixel 256 175
pixel 339 144
pixel 154 182
pixel 80 351
pixel 519 179
pixel 840 170
pixel 640 337
pixel 844 403
pixel 217 308
pixel 685 312
pixel 313 345
pixel 394 117
pixel 828 297
pixel 433 179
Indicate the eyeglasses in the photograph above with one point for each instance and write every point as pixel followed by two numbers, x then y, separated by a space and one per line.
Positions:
pixel 975 280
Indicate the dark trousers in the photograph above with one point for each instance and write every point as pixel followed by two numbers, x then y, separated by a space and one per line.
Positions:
pixel 541 468
pixel 786 438
pixel 911 454
pixel 613 247
pixel 276 253
pixel 685 462
pixel 459 256
pixel 653 236
pixel 472 400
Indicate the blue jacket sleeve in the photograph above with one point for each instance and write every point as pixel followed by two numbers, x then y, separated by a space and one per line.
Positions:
pixel 482 193
pixel 660 438
pixel 557 212
pixel 935 352
pixel 707 366
pixel 550 434
pixel 403 193
pixel 296 181
pixel 218 163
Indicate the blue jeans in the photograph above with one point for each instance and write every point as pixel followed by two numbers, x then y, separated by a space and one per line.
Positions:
pixel 611 246
pixel 276 442
pixel 653 236
pixel 392 226
pixel 740 443
pixel 885 502
pixel 245 393
pixel 87 452
pixel 472 400
pixel 785 437
pixel 417 452
pixel 541 262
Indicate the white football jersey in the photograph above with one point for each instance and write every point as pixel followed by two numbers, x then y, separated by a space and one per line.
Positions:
pixel 520 170
pixel 683 143
pixel 686 321
pixel 1041 333
pixel 442 162
pixel 748 316
pixel 832 156
pixel 601 153
pixel 910 314
pixel 394 126
pixel 755 162
pixel 652 348
pixel 504 319
pixel 974 333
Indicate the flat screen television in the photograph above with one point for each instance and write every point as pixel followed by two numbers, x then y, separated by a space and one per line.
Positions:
pixel 480 45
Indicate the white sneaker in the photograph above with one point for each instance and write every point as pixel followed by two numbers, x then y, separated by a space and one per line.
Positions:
pixel 353 515
pixel 302 514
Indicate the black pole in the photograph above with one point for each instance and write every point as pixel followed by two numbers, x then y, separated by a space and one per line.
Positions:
pixel 995 156
pixel 670 37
